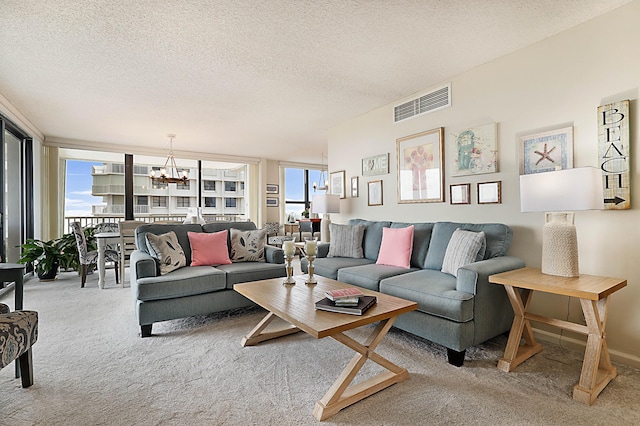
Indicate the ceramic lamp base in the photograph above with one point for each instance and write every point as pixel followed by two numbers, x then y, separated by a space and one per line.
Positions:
pixel 559 246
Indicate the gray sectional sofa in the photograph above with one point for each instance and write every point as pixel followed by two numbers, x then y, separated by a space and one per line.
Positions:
pixel 192 290
pixel 456 312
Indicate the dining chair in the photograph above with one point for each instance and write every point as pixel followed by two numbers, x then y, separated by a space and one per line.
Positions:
pixel 18 332
pixel 88 258
pixel 127 242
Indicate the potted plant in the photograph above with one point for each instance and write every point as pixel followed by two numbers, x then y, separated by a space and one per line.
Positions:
pixel 45 257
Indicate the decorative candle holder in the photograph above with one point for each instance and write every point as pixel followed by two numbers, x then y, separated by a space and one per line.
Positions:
pixel 289 268
pixel 311 279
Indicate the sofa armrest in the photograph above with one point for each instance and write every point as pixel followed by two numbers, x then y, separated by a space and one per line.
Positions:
pixel 471 277
pixel 492 311
pixel 273 254
pixel 142 265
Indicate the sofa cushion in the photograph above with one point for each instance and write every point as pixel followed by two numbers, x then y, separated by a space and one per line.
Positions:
pixel 434 291
pixel 180 230
pixel 464 247
pixel 252 271
pixel 421 239
pixel 181 282
pixel 497 236
pixel 209 249
pixel 329 266
pixel 372 236
pixel 396 247
pixel 346 241
pixel 167 250
pixel 248 246
pixel 369 276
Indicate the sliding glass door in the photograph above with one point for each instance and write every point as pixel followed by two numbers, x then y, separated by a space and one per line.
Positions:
pixel 16 179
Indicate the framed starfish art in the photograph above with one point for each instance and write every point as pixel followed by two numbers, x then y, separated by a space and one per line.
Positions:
pixel 546 151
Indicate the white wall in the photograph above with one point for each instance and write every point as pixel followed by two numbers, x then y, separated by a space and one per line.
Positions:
pixel 557 82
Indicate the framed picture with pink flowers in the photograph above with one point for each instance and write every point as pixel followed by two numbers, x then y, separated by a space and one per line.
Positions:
pixel 421 167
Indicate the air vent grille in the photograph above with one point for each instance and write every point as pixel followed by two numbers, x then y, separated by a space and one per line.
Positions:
pixel 433 101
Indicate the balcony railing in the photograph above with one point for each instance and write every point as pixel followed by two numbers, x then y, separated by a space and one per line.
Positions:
pixel 89 221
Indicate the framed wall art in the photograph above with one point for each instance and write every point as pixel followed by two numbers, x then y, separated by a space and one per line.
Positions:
pixel 460 193
pixel 272 188
pixel 476 150
pixel 546 151
pixel 374 193
pixel 272 202
pixel 337 183
pixel 421 167
pixel 490 192
pixel 354 187
pixel 376 165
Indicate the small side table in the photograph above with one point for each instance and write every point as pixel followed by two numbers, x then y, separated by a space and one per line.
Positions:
pixel 14 272
pixel 593 292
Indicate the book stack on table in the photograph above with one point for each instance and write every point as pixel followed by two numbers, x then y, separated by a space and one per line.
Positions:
pixel 347 300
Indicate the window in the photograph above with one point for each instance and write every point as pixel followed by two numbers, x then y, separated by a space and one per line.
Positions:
pixel 117 168
pixel 183 185
pixel 230 202
pixel 209 185
pixel 230 186
pixel 143 200
pixel 159 201
pixel 183 202
pixel 298 190
pixel 159 185
pixel 209 201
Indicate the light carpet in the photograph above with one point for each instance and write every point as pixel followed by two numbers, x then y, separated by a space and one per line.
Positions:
pixel 92 368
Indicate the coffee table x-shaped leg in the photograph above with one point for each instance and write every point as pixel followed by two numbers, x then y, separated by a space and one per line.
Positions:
pixel 342 394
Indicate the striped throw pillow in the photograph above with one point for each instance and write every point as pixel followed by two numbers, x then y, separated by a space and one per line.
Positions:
pixel 463 249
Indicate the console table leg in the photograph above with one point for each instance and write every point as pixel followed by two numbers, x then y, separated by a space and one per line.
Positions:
pixel 515 354
pixel 597 370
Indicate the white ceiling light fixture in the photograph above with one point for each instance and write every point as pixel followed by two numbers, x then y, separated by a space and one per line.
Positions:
pixel 169 172
pixel 324 181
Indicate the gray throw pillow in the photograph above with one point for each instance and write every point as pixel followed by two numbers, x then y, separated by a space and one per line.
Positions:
pixel 346 241
pixel 167 250
pixel 464 248
pixel 248 246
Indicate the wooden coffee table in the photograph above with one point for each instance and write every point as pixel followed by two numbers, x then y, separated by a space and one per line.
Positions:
pixel 296 305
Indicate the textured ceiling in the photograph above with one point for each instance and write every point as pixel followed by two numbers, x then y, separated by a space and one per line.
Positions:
pixel 260 78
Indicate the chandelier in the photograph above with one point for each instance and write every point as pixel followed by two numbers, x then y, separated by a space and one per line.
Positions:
pixel 323 179
pixel 169 172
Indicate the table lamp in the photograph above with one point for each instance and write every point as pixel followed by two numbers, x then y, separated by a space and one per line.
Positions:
pixel 325 204
pixel 559 194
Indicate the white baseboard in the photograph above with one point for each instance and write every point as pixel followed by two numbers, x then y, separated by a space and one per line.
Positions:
pixel 579 345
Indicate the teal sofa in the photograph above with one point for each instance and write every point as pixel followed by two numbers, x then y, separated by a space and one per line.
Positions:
pixel 456 312
pixel 192 290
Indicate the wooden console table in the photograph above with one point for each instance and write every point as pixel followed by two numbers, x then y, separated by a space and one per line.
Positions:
pixel 593 292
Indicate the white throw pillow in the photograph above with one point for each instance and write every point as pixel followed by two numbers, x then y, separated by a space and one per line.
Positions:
pixel 346 241
pixel 463 249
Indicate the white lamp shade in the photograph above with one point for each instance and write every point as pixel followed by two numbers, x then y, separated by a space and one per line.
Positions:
pixel 325 203
pixel 562 190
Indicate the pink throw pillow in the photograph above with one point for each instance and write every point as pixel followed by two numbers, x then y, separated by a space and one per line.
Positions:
pixel 209 249
pixel 396 247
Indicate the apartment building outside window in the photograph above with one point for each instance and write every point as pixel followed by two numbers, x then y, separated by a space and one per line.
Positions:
pixel 183 202
pixel 209 185
pixel 230 202
pixel 143 200
pixel 209 201
pixel 183 185
pixel 230 186
pixel 159 201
